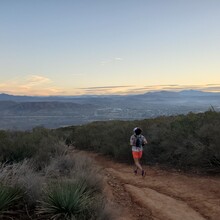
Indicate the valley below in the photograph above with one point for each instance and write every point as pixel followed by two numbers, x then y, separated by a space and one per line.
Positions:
pixel 25 113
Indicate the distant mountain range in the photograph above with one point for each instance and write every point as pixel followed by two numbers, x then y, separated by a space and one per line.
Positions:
pixel 25 112
pixel 43 108
pixel 151 95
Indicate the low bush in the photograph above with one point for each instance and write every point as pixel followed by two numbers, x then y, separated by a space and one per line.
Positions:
pixel 9 197
pixel 68 200
pixel 76 167
pixel 40 144
pixel 39 159
pixel 182 141
pixel 65 178
pixel 23 176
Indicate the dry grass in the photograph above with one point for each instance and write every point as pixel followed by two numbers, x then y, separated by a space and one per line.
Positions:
pixel 75 167
pixel 22 175
pixel 65 169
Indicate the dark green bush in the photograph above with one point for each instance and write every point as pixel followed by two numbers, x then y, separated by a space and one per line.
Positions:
pixel 32 159
pixel 39 144
pixel 182 141
pixel 9 196
pixel 67 200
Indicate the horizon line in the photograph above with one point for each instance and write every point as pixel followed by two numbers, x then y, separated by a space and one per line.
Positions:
pixel 111 94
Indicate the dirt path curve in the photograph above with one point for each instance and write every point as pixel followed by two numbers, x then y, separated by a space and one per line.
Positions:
pixel 160 195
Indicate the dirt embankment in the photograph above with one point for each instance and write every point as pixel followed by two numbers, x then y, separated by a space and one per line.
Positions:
pixel 160 195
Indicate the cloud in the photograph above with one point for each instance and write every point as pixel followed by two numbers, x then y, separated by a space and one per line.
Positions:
pixel 207 87
pixel 215 88
pixel 111 61
pixel 139 90
pixel 105 87
pixel 41 85
pixel 36 79
pixel 212 84
pixel 118 59
pixel 132 89
pixel 30 85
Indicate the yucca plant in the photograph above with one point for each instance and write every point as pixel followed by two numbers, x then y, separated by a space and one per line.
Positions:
pixel 23 176
pixel 9 196
pixel 67 200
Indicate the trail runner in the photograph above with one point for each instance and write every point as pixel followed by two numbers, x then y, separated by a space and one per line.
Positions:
pixel 137 141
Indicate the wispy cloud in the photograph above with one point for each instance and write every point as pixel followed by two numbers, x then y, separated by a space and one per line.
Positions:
pixel 41 85
pixel 207 87
pixel 212 84
pixel 30 85
pixel 111 61
pixel 37 79
pixel 215 88
pixel 132 89
pixel 118 59
pixel 105 87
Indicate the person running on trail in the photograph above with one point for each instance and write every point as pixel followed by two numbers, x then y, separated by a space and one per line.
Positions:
pixel 137 141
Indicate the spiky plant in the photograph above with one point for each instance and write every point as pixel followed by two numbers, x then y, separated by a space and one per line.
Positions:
pixel 67 200
pixel 22 175
pixel 8 197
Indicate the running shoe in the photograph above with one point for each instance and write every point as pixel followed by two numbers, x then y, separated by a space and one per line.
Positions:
pixel 143 173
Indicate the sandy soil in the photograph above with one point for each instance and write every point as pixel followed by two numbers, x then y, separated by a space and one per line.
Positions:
pixel 160 195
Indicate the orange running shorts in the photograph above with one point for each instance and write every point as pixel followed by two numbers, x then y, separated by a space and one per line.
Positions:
pixel 137 154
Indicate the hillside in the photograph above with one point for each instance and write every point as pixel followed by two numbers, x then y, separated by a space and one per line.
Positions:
pixel 26 112
pixel 160 194
pixel 181 160
pixel 27 115
pixel 10 108
pixel 185 141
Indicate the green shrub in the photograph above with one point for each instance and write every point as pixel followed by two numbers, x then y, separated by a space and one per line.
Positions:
pixel 77 167
pixel 60 166
pixel 183 141
pixel 9 196
pixel 33 159
pixel 67 200
pixel 23 176
pixel 40 144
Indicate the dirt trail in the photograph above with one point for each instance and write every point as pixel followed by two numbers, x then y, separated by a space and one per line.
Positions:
pixel 160 195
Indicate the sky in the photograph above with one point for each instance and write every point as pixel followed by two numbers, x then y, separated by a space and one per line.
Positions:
pixel 77 47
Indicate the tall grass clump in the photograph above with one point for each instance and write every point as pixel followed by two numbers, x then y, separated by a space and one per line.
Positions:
pixel 74 170
pixel 40 178
pixel 68 200
pixel 23 176
pixel 70 187
pixel 9 197
pixel 77 167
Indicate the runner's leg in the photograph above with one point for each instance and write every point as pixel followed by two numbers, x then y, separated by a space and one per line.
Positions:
pixel 137 163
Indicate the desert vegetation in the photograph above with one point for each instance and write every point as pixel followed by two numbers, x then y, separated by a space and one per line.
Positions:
pixel 41 179
pixel 186 142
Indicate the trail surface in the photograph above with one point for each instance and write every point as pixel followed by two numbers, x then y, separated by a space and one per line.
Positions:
pixel 160 195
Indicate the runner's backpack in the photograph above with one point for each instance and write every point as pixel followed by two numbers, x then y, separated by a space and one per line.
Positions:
pixel 138 141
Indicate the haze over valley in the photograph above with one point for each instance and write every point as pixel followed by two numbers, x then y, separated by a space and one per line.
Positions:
pixel 27 112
